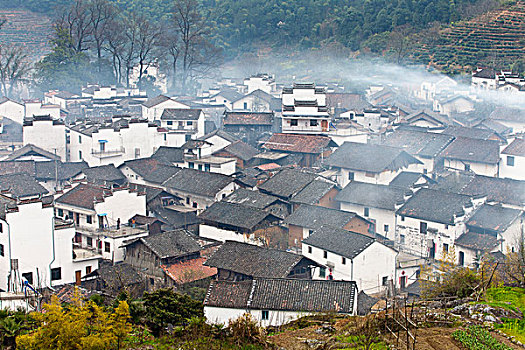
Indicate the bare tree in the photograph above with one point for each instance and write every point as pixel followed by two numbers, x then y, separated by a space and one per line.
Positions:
pixel 100 14
pixel 169 44
pixel 197 56
pixel 115 45
pixel 14 67
pixel 148 36
pixel 77 23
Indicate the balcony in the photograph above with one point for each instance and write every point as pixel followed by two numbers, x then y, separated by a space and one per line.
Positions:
pixel 113 231
pixel 106 153
pixel 80 254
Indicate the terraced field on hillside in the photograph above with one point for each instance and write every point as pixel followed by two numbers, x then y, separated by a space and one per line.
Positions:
pixel 28 29
pixel 496 38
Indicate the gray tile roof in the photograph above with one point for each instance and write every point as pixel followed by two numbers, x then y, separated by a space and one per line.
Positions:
pixel 60 170
pixel 424 144
pixel 161 174
pixel 371 195
pixel 473 150
pixel 151 102
pixel 313 216
pixel 169 155
pixel 104 174
pixel 171 244
pixel 370 158
pixel 241 150
pixel 474 133
pixel 198 182
pixel 254 199
pixel 235 215
pixel 478 241
pixel 313 192
pixel 181 114
pixel 287 182
pixel 493 218
pixel 176 219
pixel 516 148
pixel 284 294
pixel 339 241
pixel 31 149
pixel 84 196
pixel 435 206
pixel 407 179
pixel 254 261
pixel 20 185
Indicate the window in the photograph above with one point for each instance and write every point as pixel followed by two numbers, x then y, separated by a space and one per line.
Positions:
pixel 2 253
pixel 165 137
pixel 56 274
pixel 322 272
pixel 402 239
pixel 194 204
pixel 309 250
pixel 510 160
pixel 189 123
pixel 245 105
pixel 351 176
pixel 343 260
pixel 89 241
pixel 325 254
pixel 384 281
pixel 89 219
pixel 367 212
pixel 187 137
pixel 313 122
pixel 402 218
pixel 169 122
pixel 191 165
pixel 445 247
pixel 88 270
pixel 310 232
pixel 386 228
pixel 106 247
pixel 28 276
pixel 422 227
pixel 294 122
pixel 467 167
pixel 188 200
pixel 79 139
pixel 1 227
pixel 207 167
pixel 200 167
pixel 60 212
pixel 80 155
pixel 265 315
pixel 137 152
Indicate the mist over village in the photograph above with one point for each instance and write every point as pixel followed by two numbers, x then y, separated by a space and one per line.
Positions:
pixel 249 174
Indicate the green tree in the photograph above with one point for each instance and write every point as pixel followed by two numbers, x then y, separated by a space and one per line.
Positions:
pixel 165 306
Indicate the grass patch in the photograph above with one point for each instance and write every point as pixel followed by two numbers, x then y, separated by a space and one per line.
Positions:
pixel 510 298
pixel 357 342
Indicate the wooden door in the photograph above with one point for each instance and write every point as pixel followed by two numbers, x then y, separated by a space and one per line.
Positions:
pixel 78 275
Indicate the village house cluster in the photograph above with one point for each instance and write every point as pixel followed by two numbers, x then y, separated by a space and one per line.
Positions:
pixel 258 192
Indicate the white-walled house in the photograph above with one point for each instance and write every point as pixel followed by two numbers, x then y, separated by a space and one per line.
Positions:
pixel 304 109
pixel 47 133
pixel 36 107
pixel 430 221
pixel 45 259
pixel 263 299
pixel 377 203
pixel 12 110
pixel 423 145
pixel 263 82
pixel 492 228
pixel 115 141
pixel 468 154
pixel 183 123
pixel 351 256
pixel 199 189
pixel 512 163
pixel 370 163
pixel 101 217
pixel 153 108
pixel 257 101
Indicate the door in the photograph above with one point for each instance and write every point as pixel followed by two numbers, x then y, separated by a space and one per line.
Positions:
pixel 100 222
pixel 403 282
pixel 324 125
pixel 78 275
pixel 461 258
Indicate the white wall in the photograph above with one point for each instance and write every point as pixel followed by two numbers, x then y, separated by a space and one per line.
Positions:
pixel 516 172
pixel 478 168
pixel 219 315
pixel 13 111
pixel 47 136
pixel 367 269
pixel 208 231
pixel 381 217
